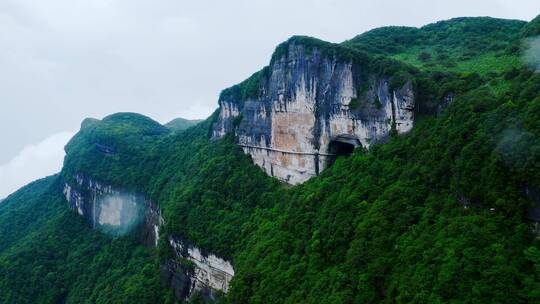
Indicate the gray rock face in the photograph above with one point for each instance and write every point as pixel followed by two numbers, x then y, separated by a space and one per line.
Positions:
pixel 114 211
pixel 307 101
pixel 119 212
pixel 209 274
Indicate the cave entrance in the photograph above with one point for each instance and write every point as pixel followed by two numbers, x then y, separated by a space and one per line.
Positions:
pixel 342 145
pixel 340 148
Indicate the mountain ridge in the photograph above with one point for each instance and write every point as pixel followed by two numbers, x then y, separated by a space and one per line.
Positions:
pixel 180 124
pixel 437 215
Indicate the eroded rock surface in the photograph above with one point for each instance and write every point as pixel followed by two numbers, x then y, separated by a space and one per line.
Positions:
pixel 307 99
pixel 120 212
pixel 114 211
pixel 207 273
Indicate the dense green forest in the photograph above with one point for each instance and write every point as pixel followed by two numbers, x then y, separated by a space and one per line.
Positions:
pixel 435 216
pixel 180 124
pixel 49 255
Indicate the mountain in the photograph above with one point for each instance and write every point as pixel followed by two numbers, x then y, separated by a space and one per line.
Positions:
pixel 315 101
pixel 532 28
pixel 180 124
pixel 402 165
pixel 48 255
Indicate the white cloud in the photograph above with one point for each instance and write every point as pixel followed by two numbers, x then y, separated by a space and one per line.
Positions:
pixel 33 162
pixel 64 60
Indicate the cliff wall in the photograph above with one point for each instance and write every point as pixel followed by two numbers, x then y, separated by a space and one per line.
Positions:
pixel 309 107
pixel 119 212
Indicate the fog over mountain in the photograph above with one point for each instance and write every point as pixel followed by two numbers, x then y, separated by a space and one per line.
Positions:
pixel 63 61
pixel 532 53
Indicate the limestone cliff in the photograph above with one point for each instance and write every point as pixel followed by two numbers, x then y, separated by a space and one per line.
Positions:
pixel 112 210
pixel 310 105
pixel 118 212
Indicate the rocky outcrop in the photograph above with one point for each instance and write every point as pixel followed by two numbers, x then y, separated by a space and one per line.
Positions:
pixel 119 212
pixel 308 106
pixel 114 211
pixel 206 273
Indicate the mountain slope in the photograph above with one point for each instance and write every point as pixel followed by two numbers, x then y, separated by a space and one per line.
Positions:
pixel 49 255
pixel 481 45
pixel 180 124
pixel 443 214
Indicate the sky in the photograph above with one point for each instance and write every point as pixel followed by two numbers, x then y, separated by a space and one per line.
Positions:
pixel 64 60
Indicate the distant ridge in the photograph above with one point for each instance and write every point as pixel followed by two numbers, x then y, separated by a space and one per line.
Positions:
pixel 180 124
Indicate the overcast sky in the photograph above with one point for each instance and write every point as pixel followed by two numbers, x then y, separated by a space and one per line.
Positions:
pixel 64 60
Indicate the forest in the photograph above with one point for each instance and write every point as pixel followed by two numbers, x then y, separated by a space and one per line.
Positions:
pixel 440 215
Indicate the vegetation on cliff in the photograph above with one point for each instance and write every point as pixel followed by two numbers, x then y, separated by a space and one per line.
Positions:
pixel 50 255
pixel 482 45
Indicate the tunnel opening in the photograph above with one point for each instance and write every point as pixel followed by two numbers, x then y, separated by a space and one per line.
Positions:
pixel 340 148
pixel 342 145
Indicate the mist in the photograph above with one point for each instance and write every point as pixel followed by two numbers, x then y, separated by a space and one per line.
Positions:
pixel 532 53
pixel 32 162
pixel 63 61
pixel 119 214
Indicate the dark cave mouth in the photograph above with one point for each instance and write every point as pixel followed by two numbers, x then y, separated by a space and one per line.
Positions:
pixel 340 148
